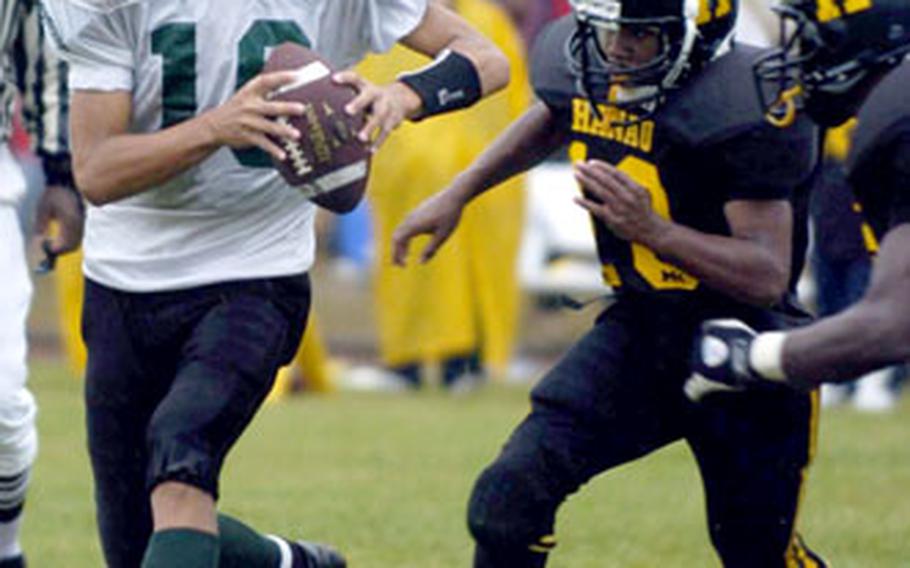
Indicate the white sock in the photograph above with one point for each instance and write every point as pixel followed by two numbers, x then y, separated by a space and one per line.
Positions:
pixel 287 557
pixel 12 495
pixel 9 538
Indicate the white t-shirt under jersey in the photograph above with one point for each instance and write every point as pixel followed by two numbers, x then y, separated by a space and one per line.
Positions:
pixel 221 220
pixel 757 24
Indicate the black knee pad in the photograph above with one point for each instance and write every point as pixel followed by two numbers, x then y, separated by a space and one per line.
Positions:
pixel 510 508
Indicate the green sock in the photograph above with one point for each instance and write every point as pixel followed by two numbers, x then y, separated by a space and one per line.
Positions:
pixel 242 547
pixel 186 548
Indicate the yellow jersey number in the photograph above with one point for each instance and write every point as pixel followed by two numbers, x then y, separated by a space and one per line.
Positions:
pixel 659 274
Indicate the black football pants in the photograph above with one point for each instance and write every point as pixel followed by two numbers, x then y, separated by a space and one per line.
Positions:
pixel 173 379
pixel 617 396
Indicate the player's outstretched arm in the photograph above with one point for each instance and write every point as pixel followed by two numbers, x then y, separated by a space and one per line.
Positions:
pixel 111 163
pixel 467 67
pixel 869 335
pixel 524 144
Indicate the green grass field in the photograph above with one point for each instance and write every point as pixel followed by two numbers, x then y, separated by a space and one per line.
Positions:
pixel 386 478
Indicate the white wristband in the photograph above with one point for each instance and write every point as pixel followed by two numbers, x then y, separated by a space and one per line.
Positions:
pixel 766 355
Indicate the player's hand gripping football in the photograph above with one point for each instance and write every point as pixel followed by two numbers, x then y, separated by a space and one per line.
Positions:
pixel 386 106
pixel 437 216
pixel 720 359
pixel 246 119
pixel 619 202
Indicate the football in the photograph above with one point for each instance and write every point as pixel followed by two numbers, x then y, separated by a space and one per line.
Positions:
pixel 328 163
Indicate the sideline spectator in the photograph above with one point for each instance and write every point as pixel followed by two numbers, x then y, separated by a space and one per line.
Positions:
pixel 461 311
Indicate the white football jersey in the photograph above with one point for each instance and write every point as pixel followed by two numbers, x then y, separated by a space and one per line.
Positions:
pixel 231 217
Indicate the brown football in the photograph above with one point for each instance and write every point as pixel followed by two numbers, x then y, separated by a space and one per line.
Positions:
pixel 327 162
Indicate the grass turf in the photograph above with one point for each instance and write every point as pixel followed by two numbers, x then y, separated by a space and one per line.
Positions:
pixel 386 479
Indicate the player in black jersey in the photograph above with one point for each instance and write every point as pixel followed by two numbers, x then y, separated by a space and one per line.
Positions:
pixel 688 189
pixel 836 54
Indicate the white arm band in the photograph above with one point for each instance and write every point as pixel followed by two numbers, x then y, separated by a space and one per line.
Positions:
pixel 766 355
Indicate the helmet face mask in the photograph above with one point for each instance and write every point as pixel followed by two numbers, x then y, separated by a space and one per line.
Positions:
pixel 632 74
pixel 639 86
pixel 828 62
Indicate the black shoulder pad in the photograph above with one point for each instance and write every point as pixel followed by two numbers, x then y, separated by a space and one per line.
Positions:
pixel 767 162
pixel 551 78
pixel 719 102
pixel 883 117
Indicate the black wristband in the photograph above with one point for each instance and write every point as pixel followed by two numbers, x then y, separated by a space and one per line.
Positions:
pixel 58 170
pixel 449 83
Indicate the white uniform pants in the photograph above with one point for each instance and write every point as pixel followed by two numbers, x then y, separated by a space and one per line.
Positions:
pixel 18 439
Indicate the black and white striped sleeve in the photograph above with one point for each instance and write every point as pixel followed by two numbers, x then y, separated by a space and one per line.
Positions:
pixel 41 77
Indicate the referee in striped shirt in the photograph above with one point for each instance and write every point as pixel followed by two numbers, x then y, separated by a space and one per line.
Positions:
pixel 29 72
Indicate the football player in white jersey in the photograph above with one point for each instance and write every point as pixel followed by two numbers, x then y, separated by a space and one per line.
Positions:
pixel 196 251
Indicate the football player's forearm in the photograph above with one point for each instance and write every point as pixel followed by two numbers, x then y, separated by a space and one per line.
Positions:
pixel 443 29
pixel 840 348
pixel 128 164
pixel 871 334
pixel 743 269
pixel 524 144
pixel 491 63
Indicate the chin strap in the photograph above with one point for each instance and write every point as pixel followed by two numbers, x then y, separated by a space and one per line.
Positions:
pixel 782 113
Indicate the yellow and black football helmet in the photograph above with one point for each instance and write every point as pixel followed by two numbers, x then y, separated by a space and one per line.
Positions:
pixel 691 33
pixel 831 54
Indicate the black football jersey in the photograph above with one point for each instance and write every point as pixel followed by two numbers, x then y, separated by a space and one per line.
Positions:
pixel 707 144
pixel 879 163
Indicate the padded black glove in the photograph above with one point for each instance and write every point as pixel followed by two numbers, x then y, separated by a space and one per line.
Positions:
pixel 720 359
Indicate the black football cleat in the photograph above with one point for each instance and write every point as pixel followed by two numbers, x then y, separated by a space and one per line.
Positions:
pixel 13 562
pixel 315 555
